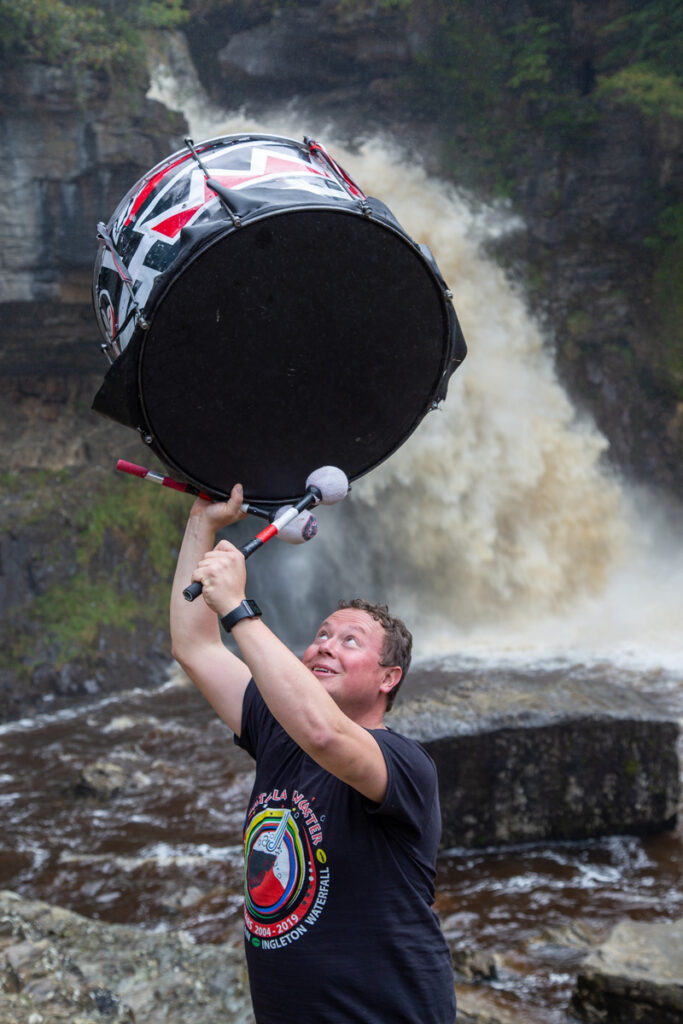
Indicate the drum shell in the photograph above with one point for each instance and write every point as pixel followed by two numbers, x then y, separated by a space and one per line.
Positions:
pixel 149 225
pixel 315 356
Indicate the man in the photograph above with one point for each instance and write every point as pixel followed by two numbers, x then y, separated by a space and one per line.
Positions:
pixel 343 823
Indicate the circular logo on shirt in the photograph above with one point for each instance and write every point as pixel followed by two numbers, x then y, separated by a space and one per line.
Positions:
pixel 275 863
pixel 284 891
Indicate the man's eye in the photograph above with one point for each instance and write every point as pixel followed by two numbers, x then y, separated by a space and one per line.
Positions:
pixel 351 640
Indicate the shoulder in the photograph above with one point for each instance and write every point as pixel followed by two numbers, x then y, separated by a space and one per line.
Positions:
pixel 404 749
pixel 411 769
pixel 412 796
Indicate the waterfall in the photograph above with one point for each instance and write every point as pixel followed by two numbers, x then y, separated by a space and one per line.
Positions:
pixel 499 520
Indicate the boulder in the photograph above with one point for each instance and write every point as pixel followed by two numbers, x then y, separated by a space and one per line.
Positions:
pixel 327 49
pixel 635 977
pixel 528 758
pixel 485 1006
pixel 106 779
pixel 57 967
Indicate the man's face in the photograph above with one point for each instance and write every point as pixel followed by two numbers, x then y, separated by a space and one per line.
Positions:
pixel 345 656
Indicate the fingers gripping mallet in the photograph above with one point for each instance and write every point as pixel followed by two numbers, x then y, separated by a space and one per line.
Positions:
pixel 325 486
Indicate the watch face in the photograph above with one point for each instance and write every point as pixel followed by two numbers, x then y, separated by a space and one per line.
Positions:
pixel 247 609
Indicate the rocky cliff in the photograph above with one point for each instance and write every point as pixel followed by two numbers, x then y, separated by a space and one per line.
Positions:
pixel 72 148
pixel 494 96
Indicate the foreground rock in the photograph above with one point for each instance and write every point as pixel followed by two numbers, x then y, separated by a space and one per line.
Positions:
pixel 525 759
pixel 635 977
pixel 103 780
pixel 57 967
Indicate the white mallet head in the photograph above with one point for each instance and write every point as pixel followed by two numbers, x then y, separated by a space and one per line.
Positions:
pixel 332 483
pixel 299 530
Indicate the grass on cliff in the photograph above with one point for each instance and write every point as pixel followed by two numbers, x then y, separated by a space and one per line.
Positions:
pixel 110 564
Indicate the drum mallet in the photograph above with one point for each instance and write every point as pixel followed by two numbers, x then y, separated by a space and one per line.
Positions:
pixel 156 478
pixel 302 528
pixel 325 486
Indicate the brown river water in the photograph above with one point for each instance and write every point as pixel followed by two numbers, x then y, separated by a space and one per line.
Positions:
pixel 167 852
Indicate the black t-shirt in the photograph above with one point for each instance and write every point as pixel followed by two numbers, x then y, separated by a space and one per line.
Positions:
pixel 339 927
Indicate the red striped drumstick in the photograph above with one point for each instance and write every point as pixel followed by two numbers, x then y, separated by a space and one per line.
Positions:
pixel 168 481
pixel 157 478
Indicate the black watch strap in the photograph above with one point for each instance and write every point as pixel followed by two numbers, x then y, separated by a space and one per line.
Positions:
pixel 248 609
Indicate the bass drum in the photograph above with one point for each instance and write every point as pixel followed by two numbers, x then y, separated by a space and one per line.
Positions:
pixel 263 317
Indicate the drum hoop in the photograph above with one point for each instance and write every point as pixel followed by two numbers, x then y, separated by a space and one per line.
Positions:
pixel 435 393
pixel 200 147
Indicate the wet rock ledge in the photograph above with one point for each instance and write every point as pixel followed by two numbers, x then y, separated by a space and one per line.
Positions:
pixel 635 977
pixel 527 759
pixel 57 967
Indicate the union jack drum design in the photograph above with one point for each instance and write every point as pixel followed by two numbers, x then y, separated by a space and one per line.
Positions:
pixel 263 317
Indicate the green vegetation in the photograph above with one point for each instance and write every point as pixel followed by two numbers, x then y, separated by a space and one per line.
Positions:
pixel 653 94
pixel 666 244
pixel 534 43
pixel 648 33
pixel 578 323
pixel 512 84
pixel 641 63
pixel 478 68
pixel 79 35
pixel 71 616
pixel 111 561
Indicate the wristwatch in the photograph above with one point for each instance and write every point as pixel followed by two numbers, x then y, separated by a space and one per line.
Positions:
pixel 248 609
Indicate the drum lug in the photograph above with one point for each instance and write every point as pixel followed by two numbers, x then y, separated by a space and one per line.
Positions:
pixel 449 294
pixel 222 193
pixel 318 151
pixel 142 323
pixel 108 347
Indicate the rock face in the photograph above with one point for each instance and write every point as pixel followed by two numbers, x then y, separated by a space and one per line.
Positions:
pixel 532 759
pixel 57 967
pixel 72 150
pixel 331 53
pixel 635 977
pixel 83 600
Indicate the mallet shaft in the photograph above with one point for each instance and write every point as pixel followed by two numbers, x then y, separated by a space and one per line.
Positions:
pixel 157 478
pixel 310 498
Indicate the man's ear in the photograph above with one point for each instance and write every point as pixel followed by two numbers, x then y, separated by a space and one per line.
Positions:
pixel 392 677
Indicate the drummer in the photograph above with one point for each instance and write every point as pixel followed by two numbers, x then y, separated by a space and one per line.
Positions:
pixel 343 823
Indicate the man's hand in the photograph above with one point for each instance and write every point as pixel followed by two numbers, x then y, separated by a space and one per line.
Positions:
pixel 223 576
pixel 217 514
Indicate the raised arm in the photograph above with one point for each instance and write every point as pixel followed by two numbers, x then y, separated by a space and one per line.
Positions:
pixel 195 635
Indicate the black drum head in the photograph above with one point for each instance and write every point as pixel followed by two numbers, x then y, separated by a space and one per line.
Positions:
pixel 311 337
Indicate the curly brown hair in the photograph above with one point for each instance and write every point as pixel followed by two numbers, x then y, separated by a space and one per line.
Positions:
pixel 398 640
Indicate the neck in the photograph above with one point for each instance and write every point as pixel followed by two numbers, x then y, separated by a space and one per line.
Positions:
pixel 368 718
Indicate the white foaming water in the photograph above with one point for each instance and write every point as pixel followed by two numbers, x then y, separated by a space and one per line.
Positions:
pixel 496 530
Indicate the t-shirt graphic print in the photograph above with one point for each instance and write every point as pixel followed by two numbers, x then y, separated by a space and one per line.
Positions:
pixel 286 877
